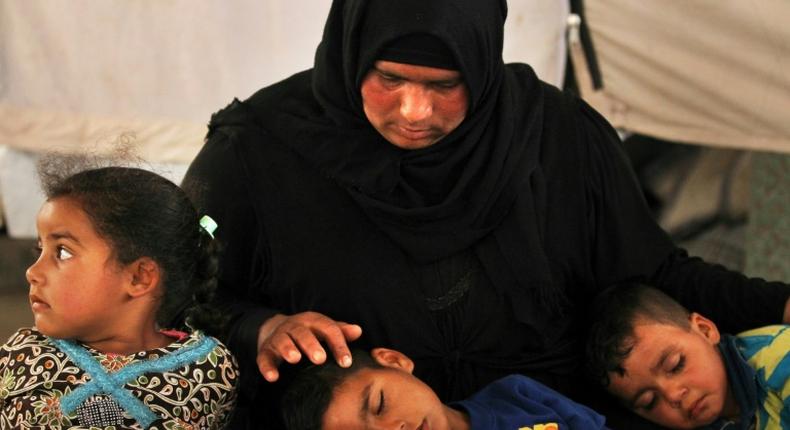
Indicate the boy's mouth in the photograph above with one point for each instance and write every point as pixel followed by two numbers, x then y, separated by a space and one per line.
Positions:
pixel 697 408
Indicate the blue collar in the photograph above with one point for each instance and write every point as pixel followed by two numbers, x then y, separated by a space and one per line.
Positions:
pixel 103 382
pixel 742 383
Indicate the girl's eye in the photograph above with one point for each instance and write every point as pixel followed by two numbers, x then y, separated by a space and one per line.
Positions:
pixel 380 409
pixel 36 250
pixel 63 254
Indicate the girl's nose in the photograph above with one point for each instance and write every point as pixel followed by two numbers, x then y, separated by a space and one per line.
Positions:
pixel 33 274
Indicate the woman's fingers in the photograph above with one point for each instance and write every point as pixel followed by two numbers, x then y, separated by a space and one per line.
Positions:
pixel 306 340
pixel 267 364
pixel 349 332
pixel 288 338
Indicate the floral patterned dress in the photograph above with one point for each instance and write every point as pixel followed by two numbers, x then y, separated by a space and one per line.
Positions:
pixel 50 383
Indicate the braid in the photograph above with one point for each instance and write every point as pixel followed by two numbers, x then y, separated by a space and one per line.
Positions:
pixel 202 314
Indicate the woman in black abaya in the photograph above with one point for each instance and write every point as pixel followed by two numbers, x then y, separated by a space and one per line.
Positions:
pixel 472 246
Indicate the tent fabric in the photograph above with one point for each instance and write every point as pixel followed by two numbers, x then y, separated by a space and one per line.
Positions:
pixel 75 71
pixel 711 72
pixel 76 75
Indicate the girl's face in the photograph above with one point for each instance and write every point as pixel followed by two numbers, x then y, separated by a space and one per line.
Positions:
pixel 76 285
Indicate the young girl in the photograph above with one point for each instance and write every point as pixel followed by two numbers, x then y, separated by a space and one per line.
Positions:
pixel 122 251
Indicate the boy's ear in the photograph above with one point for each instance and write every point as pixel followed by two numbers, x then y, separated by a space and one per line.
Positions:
pixel 392 358
pixel 145 275
pixel 705 327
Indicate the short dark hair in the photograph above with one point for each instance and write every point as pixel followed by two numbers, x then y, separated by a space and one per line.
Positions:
pixel 307 396
pixel 142 214
pixel 614 313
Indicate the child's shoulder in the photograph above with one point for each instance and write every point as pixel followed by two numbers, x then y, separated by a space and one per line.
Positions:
pixel 26 339
pixel 205 351
pixel 765 349
pixel 772 339
pixel 766 331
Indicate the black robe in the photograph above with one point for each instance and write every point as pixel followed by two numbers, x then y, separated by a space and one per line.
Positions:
pixel 475 256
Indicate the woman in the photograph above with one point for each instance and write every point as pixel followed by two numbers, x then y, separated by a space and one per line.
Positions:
pixel 454 207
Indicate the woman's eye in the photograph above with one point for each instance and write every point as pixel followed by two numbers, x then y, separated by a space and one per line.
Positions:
pixel 389 80
pixel 449 85
pixel 63 254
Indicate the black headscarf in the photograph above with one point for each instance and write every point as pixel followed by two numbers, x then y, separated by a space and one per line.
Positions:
pixel 437 200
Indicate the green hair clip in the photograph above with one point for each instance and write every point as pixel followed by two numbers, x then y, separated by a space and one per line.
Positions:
pixel 208 224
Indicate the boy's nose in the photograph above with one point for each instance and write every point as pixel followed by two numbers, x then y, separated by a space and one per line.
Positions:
pixel 395 424
pixel 675 393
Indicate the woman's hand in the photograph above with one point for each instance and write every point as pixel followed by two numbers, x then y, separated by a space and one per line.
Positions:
pixel 288 337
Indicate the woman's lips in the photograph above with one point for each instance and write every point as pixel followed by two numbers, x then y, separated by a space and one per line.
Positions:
pixel 415 134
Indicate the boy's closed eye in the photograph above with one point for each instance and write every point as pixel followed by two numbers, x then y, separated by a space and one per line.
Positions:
pixel 671 363
pixel 645 402
pixel 380 409
pixel 676 363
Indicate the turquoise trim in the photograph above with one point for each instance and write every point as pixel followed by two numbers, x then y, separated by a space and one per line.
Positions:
pixel 113 383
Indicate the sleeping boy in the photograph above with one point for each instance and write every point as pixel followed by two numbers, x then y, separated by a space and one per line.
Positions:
pixel 379 391
pixel 674 368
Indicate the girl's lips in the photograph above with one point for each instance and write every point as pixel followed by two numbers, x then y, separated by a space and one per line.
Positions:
pixel 37 305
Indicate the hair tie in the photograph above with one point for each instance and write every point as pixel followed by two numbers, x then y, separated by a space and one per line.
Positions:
pixel 208 225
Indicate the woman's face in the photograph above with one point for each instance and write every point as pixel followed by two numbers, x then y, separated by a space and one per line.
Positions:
pixel 413 106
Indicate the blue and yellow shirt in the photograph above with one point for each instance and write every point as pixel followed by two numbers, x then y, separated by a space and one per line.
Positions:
pixel 767 351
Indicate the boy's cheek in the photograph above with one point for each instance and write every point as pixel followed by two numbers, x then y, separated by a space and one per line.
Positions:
pixel 619 395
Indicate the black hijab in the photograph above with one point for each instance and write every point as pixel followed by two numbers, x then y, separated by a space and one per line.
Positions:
pixel 435 201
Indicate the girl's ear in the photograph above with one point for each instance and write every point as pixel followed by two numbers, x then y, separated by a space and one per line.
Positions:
pixel 145 276
pixel 705 327
pixel 393 359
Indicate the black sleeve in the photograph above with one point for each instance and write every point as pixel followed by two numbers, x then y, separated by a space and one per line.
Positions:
pixel 735 302
pixel 217 183
pixel 629 245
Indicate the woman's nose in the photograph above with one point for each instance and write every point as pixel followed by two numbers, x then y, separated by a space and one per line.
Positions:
pixel 416 104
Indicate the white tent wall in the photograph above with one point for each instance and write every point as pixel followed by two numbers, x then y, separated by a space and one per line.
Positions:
pixel 76 74
pixel 714 73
